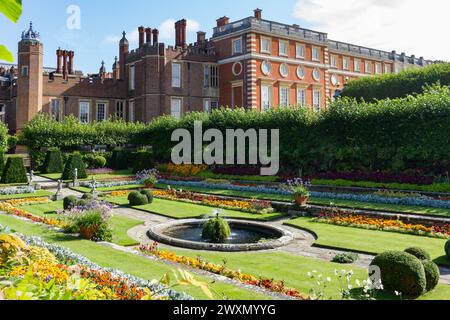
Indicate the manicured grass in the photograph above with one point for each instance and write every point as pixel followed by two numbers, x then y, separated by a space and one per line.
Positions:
pixel 325 202
pixel 126 262
pixel 120 225
pixel 116 174
pixel 37 194
pixel 110 189
pixel 370 241
pixel 182 210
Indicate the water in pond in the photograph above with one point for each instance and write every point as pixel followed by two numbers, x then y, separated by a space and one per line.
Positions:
pixel 239 235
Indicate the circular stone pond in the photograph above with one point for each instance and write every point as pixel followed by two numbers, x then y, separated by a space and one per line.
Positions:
pixel 245 236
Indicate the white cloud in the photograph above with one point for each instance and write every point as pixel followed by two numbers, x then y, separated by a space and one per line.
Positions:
pixel 411 26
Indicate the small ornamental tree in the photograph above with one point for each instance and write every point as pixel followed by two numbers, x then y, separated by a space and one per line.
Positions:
pixel 74 161
pixel 53 161
pixel 14 171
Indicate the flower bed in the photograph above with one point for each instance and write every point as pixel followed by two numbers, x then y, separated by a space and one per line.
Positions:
pixel 198 263
pixel 111 183
pixel 16 190
pixel 26 201
pixel 183 170
pixel 378 176
pixel 10 209
pixel 345 218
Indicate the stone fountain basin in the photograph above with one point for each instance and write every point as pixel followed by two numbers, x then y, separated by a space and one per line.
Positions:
pixel 281 237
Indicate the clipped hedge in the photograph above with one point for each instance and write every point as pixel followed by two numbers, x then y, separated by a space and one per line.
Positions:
pixel 419 253
pixel 74 161
pixel 119 159
pixel 142 160
pixel 137 199
pixel 2 162
pixel 53 161
pixel 432 274
pixel 14 171
pixel 410 82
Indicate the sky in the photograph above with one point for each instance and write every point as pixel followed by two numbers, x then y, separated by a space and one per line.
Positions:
pixel 411 26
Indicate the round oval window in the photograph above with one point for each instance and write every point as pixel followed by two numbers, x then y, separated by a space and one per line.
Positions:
pixel 284 70
pixel 300 72
pixel 316 74
pixel 266 68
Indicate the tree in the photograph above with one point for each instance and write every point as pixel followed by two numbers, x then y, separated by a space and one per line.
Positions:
pixel 12 9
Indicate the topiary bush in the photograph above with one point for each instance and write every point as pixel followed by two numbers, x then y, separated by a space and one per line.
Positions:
pixel 432 274
pixel 216 230
pixel 53 162
pixel 94 161
pixel 402 272
pixel 447 249
pixel 2 162
pixel 74 161
pixel 14 171
pixel 419 253
pixel 70 202
pixel 137 199
pixel 148 194
pixel 119 159
pixel 142 160
pixel 345 258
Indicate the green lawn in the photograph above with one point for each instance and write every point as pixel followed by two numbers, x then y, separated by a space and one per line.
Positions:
pixel 120 225
pixel 38 193
pixel 110 189
pixel 183 210
pixel 126 262
pixel 326 202
pixel 370 241
pixel 116 174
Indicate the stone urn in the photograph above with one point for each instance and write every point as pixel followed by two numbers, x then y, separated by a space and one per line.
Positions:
pixel 88 233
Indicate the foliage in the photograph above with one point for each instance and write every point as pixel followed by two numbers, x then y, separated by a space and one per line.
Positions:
pixel 410 82
pixel 432 274
pixel 419 253
pixel 94 161
pixel 12 9
pixel 17 190
pixel 345 258
pixel 216 230
pixel 14 171
pixel 2 162
pixel 447 249
pixel 74 161
pixel 53 162
pixel 137 199
pixel 142 160
pixel 401 272
pixel 149 194
pixel 119 159
pixel 70 202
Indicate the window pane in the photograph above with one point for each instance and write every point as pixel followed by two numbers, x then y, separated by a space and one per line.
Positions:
pixel 301 97
pixel 176 108
pixel 265 97
pixel 101 112
pixel 176 75
pixel 132 77
pixel 284 97
pixel 84 112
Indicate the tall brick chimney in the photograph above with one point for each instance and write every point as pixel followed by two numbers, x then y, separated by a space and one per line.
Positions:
pixel 71 56
pixel 58 60
pixel 223 21
pixel 155 33
pixel 148 36
pixel 141 30
pixel 258 13
pixel 177 34
pixel 201 37
pixel 123 52
pixel 180 33
pixel 65 64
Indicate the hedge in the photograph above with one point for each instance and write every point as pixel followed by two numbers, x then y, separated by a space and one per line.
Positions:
pixel 14 171
pixel 410 82
pixel 2 162
pixel 74 161
pixel 391 135
pixel 53 161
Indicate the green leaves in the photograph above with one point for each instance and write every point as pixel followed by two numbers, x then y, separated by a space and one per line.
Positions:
pixel 12 9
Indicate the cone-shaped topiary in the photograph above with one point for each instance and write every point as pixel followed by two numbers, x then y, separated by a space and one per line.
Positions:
pixel 74 161
pixel 419 253
pixel 2 163
pixel 14 171
pixel 432 274
pixel 402 272
pixel 119 159
pixel 216 230
pixel 142 160
pixel 53 161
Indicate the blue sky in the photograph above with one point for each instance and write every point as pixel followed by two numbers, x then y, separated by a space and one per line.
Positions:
pixel 379 23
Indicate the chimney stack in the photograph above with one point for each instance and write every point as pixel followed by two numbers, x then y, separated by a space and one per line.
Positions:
pixel 148 36
pixel 201 37
pixel 177 34
pixel 258 14
pixel 123 52
pixel 65 65
pixel 71 55
pixel 155 33
pixel 58 60
pixel 180 33
pixel 222 21
pixel 141 30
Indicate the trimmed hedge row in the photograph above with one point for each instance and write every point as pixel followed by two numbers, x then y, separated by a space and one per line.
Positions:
pixel 391 135
pixel 410 82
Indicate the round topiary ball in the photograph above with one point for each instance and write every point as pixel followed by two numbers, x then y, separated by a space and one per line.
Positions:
pixel 148 194
pixel 216 230
pixel 401 271
pixel 70 202
pixel 88 196
pixel 447 249
pixel 137 199
pixel 419 253
pixel 432 274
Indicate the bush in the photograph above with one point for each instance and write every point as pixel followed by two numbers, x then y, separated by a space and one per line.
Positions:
pixel 399 85
pixel 87 196
pixel 53 162
pixel 119 159
pixel 70 202
pixel 142 160
pixel 2 162
pixel 94 161
pixel 402 272
pixel 432 274
pixel 216 230
pixel 137 199
pixel 345 258
pixel 148 194
pixel 92 226
pixel 14 171
pixel 447 249
pixel 419 253
pixel 73 162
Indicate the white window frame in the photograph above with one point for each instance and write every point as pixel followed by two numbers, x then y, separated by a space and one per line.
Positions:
pixel 357 65
pixel 132 82
pixel 316 76
pixel 302 51
pixel 282 66
pixel 286 43
pixel 378 69
pixel 315 50
pixel 346 63
pixel 131 111
pixel 176 75
pixel 269 40
pixel 172 113
pixel 97 109
pixel 368 67
pixel 387 68
pixel 52 101
pixel 301 96
pixel 317 100
pixel 82 104
pixel 266 105
pixel 282 88
pixel 269 65
pixel 234 41
pixel 334 61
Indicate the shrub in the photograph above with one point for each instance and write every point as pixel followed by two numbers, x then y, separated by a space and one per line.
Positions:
pixel 92 226
pixel 142 160
pixel 2 162
pixel 73 162
pixel 137 199
pixel 148 194
pixel 119 159
pixel 447 249
pixel 216 230
pixel 14 171
pixel 402 272
pixel 87 196
pixel 53 162
pixel 70 202
pixel 419 253
pixel 94 161
pixel 432 274
pixel 345 258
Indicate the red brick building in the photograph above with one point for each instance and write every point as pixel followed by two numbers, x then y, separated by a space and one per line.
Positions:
pixel 253 63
